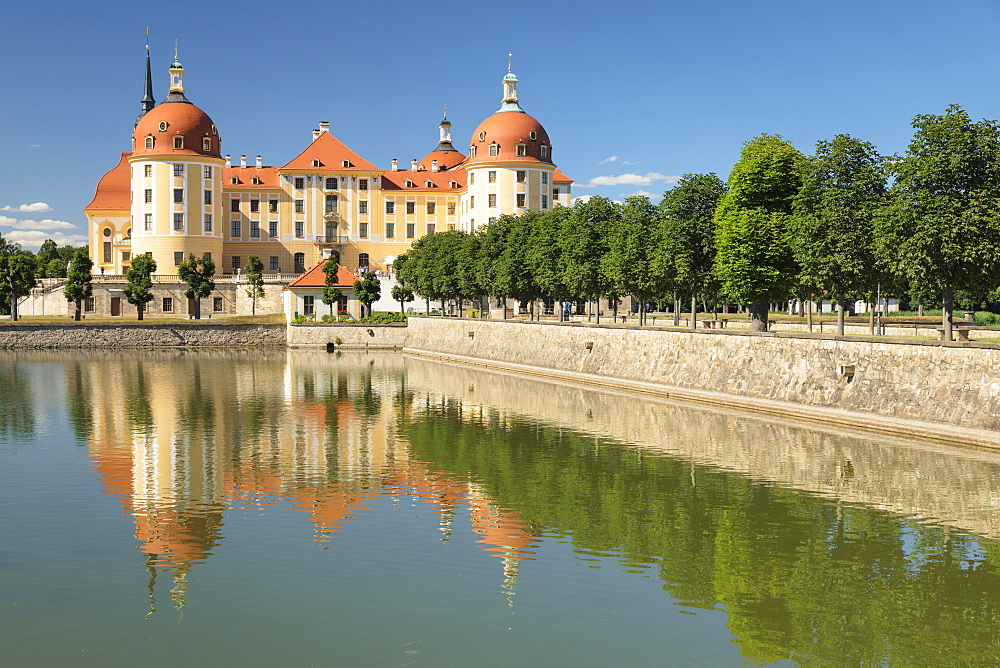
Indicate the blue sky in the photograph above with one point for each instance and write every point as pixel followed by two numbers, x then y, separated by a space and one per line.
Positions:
pixel 631 96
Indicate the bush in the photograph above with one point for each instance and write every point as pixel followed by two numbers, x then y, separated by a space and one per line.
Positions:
pixel 987 319
pixel 302 318
pixel 384 318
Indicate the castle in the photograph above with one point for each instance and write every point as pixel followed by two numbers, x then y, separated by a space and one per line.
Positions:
pixel 175 193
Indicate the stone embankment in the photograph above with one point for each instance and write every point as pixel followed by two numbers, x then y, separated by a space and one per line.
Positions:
pixel 348 335
pixel 923 388
pixel 141 336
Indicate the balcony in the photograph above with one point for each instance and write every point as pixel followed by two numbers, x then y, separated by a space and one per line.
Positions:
pixel 331 240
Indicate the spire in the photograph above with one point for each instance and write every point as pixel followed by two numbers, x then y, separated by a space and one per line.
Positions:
pixel 444 143
pixel 510 90
pixel 147 99
pixel 176 93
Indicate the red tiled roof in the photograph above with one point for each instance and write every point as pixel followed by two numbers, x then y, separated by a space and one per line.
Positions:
pixel 182 118
pixel 445 159
pixel 268 177
pixel 316 278
pixel 559 177
pixel 114 188
pixel 441 181
pixel 331 153
pixel 507 129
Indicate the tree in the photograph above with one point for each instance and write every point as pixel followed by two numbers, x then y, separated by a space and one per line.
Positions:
pixel 754 259
pixel 402 294
pixel 834 225
pixel 48 252
pixel 941 229
pixel 367 291
pixel 78 280
pixel 544 256
pixel 138 284
pixel 331 293
pixel 197 272
pixel 18 270
pixel 583 242
pixel 254 275
pixel 628 261
pixel 686 250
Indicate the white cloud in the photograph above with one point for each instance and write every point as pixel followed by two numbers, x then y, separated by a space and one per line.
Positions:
pixel 33 145
pixel 641 193
pixel 630 162
pixel 582 198
pixel 608 159
pixel 47 224
pixel 35 238
pixel 28 208
pixel 629 179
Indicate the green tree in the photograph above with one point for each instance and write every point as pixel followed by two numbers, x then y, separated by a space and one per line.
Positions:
pixel 834 225
pixel 685 255
pixel 367 291
pixel 543 256
pixel 56 268
pixel 138 284
pixel 18 270
pixel 331 293
pixel 511 275
pixel 48 252
pixel 254 275
pixel 402 294
pixel 197 272
pixel 628 263
pixel 78 280
pixel 941 229
pixel 754 259
pixel 583 241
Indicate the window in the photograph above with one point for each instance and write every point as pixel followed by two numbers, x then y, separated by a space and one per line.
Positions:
pixel 362 184
pixel 300 205
pixel 532 135
pixel 273 263
pixel 308 305
pixel 208 256
pixel 363 230
pixel 208 222
pixel 298 230
pixel 492 176
pixel 472 201
pixel 520 200
pixel 178 221
pixel 149 143
pixel 178 258
pixel 272 228
pixel 234 205
pixel 345 163
pixel 107 252
pixel 545 151
pixel 331 203
pixel 255 206
pixel 148 195
pixel 217 304
pixel 362 207
pixel 482 136
pixel 520 175
pixel 148 225
pixel 390 230
pixel 494 149
pixel 273 206
pixel 472 178
pixel 234 180
pixel 363 260
pixel 545 177
pixel 178 195
pixel 411 229
pixel 555 194
pixel 147 170
pixel 315 162
pixel 206 144
pixel 411 207
pixel 208 197
pixel 235 262
pixel 472 151
pixel 207 173
pixel 451 227
pixel 493 201
pixel 235 230
pixel 255 181
pixel 179 141
pixel 331 184
pixel 390 208
pixel 88 305
pixel 168 304
pixel 254 229
pixel 431 228
pixel 431 207
pixel 163 126
pixel 545 201
pixel 491 220
pixel 520 150
pixel 300 183
pixel 409 183
pixel 451 208
pixel 300 262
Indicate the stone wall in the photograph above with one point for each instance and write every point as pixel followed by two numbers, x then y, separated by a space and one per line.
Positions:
pixel 925 388
pixel 347 335
pixel 141 335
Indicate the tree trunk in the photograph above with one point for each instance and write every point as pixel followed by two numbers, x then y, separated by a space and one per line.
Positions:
pixel 758 316
pixel 597 310
pixel 677 310
pixel 197 308
pixel 947 317
pixel 253 305
pixel 615 310
pixel 76 314
pixel 139 308
pixel 920 308
pixel 13 303
pixel 799 306
pixel 809 312
pixel 427 306
pixel 840 316
pixel 871 318
pixel 694 309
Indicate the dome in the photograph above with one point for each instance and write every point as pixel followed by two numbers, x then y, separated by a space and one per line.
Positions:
pixel 446 158
pixel 169 120
pixel 507 129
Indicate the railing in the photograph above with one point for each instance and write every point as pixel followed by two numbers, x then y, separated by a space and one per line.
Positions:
pixel 332 239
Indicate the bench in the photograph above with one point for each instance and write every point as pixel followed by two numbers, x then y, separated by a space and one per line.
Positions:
pixel 716 323
pixel 961 332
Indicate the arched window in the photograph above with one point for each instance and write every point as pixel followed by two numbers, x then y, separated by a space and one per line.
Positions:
pixel 149 142
pixel 494 149
pixel 300 262
pixel 363 260
pixel 521 150
pixel 532 135
pixel 206 144
pixel 179 141
pixel 315 162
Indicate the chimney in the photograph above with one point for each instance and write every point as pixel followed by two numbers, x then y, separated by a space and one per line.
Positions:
pixel 395 165
pixel 243 162
pixel 413 165
pixel 258 162
pixel 229 161
pixel 324 126
pixel 315 135
pixel 434 165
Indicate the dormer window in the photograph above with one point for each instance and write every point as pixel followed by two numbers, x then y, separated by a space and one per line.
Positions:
pixel 532 135
pixel 346 163
pixel 255 181
pixel 215 131
pixel 315 162
pixel 472 151
pixel 133 144
pixel 409 183
pixel 545 151
pixel 149 142
pixel 453 184
pixel 430 184
pixel 206 144
pixel 494 149
pixel 521 150
pixel 482 136
pixel 234 180
pixel 179 141
pixel 163 126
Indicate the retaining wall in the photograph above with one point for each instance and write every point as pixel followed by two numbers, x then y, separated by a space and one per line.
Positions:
pixel 145 335
pixel 347 335
pixel 941 390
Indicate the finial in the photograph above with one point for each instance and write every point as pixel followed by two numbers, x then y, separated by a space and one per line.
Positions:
pixel 175 49
pixel 509 56
pixel 147 37
pixel 446 111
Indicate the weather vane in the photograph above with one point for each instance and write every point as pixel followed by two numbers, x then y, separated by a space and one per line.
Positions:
pixel 509 56
pixel 147 37
pixel 175 49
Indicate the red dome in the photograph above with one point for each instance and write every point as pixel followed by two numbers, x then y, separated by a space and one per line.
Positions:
pixel 507 129
pixel 445 159
pixel 170 120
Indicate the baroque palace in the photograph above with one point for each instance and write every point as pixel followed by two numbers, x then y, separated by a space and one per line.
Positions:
pixel 175 193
